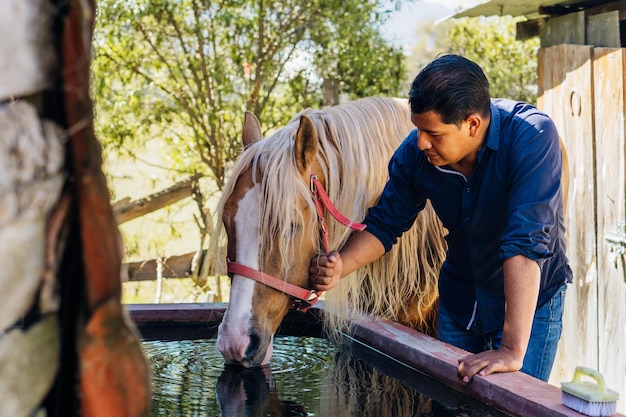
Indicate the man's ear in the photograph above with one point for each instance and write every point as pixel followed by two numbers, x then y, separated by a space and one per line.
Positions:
pixel 474 121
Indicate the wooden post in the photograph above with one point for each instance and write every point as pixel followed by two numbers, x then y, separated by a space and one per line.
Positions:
pixel 566 94
pixel 66 345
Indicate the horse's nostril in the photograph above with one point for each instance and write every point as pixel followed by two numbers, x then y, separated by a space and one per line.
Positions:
pixel 253 347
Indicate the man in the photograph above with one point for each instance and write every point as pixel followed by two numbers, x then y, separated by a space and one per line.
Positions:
pixel 492 170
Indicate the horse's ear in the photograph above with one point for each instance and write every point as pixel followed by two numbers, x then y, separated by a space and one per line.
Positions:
pixel 251 129
pixel 306 145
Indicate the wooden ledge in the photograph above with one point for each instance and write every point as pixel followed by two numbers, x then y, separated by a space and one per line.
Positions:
pixel 514 393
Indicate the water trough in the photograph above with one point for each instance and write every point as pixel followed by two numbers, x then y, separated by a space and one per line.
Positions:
pixel 514 393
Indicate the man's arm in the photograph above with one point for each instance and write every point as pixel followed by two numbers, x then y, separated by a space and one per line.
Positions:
pixel 326 270
pixel 521 291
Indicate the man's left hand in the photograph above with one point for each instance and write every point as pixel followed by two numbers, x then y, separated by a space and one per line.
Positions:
pixel 488 362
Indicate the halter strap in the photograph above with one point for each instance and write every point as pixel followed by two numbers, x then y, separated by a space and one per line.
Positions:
pixel 322 200
pixel 303 299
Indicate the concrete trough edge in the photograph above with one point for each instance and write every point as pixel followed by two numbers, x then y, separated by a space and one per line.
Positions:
pixel 515 393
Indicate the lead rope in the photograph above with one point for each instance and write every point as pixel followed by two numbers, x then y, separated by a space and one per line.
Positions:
pixel 322 200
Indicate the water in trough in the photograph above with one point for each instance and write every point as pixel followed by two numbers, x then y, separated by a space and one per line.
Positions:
pixel 308 376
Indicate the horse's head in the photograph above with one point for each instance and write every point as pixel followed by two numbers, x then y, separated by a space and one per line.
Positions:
pixel 271 225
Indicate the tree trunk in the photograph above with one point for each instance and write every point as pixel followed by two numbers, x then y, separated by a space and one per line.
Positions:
pixel 330 91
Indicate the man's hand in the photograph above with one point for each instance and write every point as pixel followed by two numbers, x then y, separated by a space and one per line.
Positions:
pixel 521 290
pixel 325 271
pixel 488 362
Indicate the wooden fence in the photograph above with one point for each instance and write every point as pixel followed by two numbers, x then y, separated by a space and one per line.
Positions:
pixel 582 88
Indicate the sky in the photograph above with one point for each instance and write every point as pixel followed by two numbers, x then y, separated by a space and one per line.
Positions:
pixel 400 28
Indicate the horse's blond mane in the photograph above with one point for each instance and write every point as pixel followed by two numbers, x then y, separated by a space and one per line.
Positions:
pixel 356 141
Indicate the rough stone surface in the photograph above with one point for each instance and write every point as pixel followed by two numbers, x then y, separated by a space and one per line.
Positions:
pixel 29 361
pixel 31 177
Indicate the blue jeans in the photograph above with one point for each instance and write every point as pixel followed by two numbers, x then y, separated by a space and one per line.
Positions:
pixel 544 336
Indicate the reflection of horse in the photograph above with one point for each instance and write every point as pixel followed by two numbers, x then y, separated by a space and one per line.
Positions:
pixel 273 226
pixel 249 392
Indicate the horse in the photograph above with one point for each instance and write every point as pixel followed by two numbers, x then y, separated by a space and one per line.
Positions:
pixel 273 212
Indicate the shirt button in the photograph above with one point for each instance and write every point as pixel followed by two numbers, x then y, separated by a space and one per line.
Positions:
pixel 467 190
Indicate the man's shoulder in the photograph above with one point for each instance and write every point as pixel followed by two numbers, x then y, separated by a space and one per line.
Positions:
pixel 520 118
pixel 518 109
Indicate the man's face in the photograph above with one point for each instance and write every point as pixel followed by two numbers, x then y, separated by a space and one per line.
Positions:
pixel 443 144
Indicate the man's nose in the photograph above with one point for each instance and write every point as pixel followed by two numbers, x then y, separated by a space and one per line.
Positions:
pixel 422 142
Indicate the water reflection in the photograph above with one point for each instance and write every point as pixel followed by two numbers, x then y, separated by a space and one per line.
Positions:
pixel 251 392
pixel 306 377
pixel 365 384
pixel 190 379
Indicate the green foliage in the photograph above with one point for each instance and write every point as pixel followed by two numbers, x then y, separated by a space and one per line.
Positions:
pixel 185 70
pixel 510 65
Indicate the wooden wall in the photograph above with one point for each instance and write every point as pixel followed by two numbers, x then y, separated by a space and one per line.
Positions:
pixel 582 88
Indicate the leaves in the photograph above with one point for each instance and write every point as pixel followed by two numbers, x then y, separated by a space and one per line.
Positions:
pixel 510 65
pixel 186 70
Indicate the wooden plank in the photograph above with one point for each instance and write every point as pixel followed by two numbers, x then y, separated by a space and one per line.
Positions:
pixel 516 393
pixel 619 5
pixel 565 93
pixel 603 30
pixel 172 314
pixel 610 132
pixel 112 373
pixel 26 47
pixel 178 266
pixel 568 29
pixel 529 28
pixel 126 210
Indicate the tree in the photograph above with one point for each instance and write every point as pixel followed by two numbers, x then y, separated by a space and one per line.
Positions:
pixel 186 70
pixel 510 65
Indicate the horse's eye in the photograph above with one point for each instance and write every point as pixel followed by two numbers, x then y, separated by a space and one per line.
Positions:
pixel 294 229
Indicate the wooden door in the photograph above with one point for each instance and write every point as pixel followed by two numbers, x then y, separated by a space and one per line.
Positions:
pixel 608 78
pixel 582 89
pixel 565 93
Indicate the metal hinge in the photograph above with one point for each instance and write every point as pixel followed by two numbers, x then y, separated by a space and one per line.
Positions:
pixel 617 245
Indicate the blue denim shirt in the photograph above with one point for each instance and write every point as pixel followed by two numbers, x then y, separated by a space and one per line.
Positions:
pixel 511 204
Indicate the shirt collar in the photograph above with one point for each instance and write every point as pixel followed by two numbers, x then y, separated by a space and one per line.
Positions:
pixel 493 133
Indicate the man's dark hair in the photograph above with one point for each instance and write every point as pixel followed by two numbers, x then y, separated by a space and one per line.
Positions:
pixel 452 86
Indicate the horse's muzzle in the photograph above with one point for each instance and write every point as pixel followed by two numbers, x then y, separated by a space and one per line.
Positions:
pixel 249 351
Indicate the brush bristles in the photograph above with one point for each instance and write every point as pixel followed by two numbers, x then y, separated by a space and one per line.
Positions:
pixel 593 409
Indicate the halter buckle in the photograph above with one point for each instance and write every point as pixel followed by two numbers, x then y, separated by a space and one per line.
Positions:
pixel 312 186
pixel 302 305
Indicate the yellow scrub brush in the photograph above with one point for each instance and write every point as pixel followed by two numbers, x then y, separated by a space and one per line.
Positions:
pixel 592 399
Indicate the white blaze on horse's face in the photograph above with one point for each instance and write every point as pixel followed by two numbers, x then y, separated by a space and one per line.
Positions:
pixel 265 234
pixel 233 335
